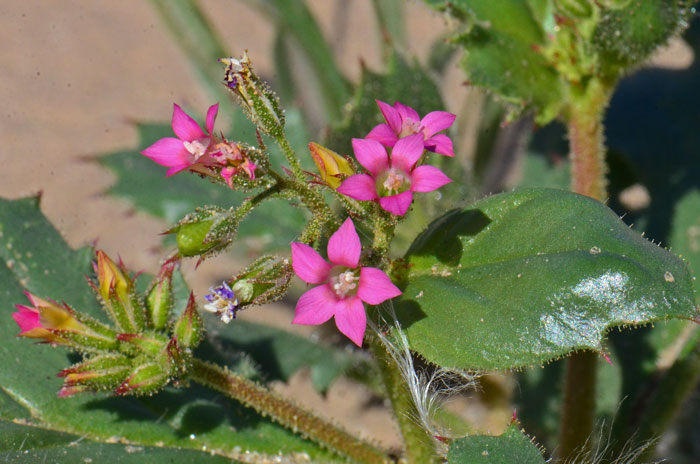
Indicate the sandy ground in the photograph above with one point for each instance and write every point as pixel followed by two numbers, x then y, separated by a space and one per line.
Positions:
pixel 75 72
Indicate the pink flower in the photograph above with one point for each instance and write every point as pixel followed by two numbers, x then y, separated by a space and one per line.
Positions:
pixel 344 285
pixel 392 181
pixel 402 120
pixel 46 320
pixel 190 149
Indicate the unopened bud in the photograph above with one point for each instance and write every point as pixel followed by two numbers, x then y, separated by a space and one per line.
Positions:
pixel 150 343
pixel 331 165
pixel 145 379
pixel 59 324
pixel 255 96
pixel 264 281
pixel 102 372
pixel 159 301
pixel 117 291
pixel 188 329
pixel 195 235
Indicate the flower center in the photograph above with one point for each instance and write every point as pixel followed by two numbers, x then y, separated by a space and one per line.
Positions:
pixel 393 182
pixel 409 127
pixel 223 302
pixel 196 148
pixel 344 282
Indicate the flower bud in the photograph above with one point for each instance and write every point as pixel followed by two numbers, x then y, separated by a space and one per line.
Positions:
pixel 188 329
pixel 194 233
pixel 149 344
pixel 102 372
pixel 117 291
pixel 264 281
pixel 59 324
pixel 255 96
pixel 145 379
pixel 159 300
pixel 331 165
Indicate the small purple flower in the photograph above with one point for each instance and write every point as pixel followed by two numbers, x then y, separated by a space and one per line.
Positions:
pixel 222 301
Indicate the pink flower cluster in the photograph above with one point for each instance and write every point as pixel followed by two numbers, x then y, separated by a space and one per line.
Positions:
pixel 394 176
pixel 199 151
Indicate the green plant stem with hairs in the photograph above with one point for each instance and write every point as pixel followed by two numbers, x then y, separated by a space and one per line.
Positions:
pixel 588 177
pixel 285 413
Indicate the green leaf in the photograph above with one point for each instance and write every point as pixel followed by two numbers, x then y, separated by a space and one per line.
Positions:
pixel 513 447
pixel 522 278
pixel 26 443
pixel 144 183
pixel 34 257
pixel 629 35
pixel 685 232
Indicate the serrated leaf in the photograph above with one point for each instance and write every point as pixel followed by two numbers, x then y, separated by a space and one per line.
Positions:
pixel 189 418
pixel 522 278
pixel 25 443
pixel 513 447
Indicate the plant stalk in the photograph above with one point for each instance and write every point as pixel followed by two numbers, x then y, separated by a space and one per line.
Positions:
pixel 285 413
pixel 588 177
pixel 418 444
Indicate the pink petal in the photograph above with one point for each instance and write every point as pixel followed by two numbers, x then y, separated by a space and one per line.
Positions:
pixel 406 112
pixel 391 116
pixel 383 134
pixel 436 121
pixel 407 152
pixel 315 306
pixel 27 318
pixel 344 246
pixel 168 152
pixel 308 264
pixel 359 187
pixel 350 318
pixel 211 117
pixel 375 286
pixel 372 155
pixel 441 144
pixel 397 204
pixel 184 126
pixel 428 178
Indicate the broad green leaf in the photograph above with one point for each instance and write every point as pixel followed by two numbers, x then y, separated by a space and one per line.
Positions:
pixel 31 444
pixel 144 183
pixel 34 257
pixel 513 447
pixel 522 278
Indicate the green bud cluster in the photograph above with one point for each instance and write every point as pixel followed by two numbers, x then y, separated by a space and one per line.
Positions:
pixel 264 281
pixel 135 362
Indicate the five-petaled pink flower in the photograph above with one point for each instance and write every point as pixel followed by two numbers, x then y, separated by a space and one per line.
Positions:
pixel 392 180
pixel 402 120
pixel 190 150
pixel 344 284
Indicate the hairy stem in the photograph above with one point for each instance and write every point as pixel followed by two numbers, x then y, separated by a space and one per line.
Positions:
pixel 588 171
pixel 285 413
pixel 578 414
pixel 291 156
pixel 419 445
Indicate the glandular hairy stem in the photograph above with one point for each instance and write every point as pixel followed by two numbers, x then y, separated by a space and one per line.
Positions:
pixel 285 413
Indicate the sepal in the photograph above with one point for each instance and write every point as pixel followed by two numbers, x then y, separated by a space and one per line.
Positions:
pixel 159 299
pixel 189 328
pixel 102 372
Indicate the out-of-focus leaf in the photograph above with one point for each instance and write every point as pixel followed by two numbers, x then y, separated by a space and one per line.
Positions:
pixel 513 447
pixel 33 257
pixel 390 16
pixel 540 172
pixel 295 18
pixel 522 278
pixel 31 444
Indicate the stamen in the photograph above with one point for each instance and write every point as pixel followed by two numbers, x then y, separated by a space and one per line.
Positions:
pixel 394 180
pixel 196 148
pixel 344 283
